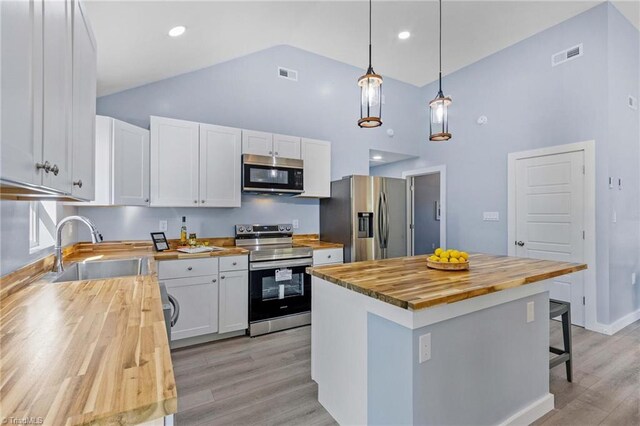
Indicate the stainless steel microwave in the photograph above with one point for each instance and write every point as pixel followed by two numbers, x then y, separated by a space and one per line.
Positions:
pixel 263 174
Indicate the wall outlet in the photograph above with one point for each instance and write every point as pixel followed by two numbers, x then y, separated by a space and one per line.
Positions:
pixel 491 216
pixel 614 217
pixel 295 223
pixel 424 350
pixel 162 226
pixel 633 278
pixel 530 312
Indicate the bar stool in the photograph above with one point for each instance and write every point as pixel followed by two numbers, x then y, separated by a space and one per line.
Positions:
pixel 558 308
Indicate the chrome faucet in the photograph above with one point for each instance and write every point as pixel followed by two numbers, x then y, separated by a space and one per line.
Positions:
pixel 96 237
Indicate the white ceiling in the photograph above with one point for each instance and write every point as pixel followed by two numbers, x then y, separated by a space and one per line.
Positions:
pixel 134 48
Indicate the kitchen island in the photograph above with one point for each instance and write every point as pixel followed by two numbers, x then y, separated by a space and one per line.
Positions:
pixel 394 342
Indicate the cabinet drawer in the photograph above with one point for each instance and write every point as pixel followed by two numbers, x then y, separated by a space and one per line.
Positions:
pixel 327 256
pixel 234 263
pixel 185 268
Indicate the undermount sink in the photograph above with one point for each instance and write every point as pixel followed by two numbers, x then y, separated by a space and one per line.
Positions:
pixel 99 269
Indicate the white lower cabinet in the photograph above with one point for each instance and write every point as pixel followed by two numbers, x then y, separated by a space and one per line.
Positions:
pixel 198 299
pixel 213 294
pixel 234 301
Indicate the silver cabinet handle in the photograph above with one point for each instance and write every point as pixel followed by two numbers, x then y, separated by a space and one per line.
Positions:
pixel 329 257
pixel 46 166
pixel 78 183
pixel 222 277
pixel 189 268
pixel 520 243
pixel 55 170
pixel 214 280
pixel 176 309
pixel 234 263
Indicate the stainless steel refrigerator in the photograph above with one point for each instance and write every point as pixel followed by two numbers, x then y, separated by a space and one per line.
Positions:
pixel 368 214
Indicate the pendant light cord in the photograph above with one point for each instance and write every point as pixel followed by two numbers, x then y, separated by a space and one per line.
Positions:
pixel 440 48
pixel 370 68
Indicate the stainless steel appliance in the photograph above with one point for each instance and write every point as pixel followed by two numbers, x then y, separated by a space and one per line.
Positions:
pixel 170 309
pixel 368 214
pixel 275 175
pixel 279 288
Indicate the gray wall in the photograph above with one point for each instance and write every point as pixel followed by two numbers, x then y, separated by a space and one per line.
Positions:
pixel 529 105
pixel 427 228
pixel 467 381
pixel 247 93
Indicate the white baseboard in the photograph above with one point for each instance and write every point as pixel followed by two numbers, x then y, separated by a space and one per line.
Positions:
pixel 531 413
pixel 614 327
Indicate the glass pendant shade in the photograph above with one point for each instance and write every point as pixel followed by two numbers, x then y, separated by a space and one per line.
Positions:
pixel 370 99
pixel 439 126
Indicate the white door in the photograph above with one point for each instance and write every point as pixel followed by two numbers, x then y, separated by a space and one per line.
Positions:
pixel 550 219
pixel 84 106
pixel 130 165
pixel 174 163
pixel 57 94
pixel 234 301
pixel 21 90
pixel 316 155
pixel 198 299
pixel 257 143
pixel 286 146
pixel 220 162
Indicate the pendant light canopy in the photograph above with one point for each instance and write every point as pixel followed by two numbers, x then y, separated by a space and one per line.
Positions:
pixel 370 93
pixel 439 107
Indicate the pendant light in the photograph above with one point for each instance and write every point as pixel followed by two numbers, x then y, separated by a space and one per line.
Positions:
pixel 439 121
pixel 370 93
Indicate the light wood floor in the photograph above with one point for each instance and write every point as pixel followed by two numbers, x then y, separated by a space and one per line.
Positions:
pixel 266 381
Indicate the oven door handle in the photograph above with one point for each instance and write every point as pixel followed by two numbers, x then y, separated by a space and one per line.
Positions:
pixel 257 266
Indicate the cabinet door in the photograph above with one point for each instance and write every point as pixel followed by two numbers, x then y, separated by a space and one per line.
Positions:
pixel 83 106
pixel 21 100
pixel 56 133
pixel 234 301
pixel 130 165
pixel 286 146
pixel 220 162
pixel 316 155
pixel 174 163
pixel 198 299
pixel 257 143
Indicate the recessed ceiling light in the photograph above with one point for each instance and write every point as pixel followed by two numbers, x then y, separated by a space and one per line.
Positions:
pixel 403 35
pixel 177 31
pixel 377 157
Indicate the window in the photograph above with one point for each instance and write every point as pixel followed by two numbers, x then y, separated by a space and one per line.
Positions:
pixel 42 225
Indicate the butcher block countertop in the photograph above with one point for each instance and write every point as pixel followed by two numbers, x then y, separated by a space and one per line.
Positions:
pixel 406 282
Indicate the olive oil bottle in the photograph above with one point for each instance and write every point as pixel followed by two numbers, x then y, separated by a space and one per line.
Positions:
pixel 183 231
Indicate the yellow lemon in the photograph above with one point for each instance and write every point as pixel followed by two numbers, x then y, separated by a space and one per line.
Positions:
pixel 462 260
pixel 438 251
pixel 455 253
pixel 444 259
pixel 464 254
pixel 444 255
pixel 434 258
pixel 453 260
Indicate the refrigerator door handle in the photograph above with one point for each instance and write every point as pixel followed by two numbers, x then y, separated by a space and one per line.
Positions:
pixel 380 221
pixel 386 220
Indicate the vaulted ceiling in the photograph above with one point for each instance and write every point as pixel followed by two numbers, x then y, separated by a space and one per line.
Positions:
pixel 134 48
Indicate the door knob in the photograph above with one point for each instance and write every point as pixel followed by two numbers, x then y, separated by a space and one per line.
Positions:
pixel 202 201
pixel 46 166
pixel 78 183
pixel 55 170
pixel 520 243
pixel 214 280
pixel 222 277
pixel 189 268
pixel 195 201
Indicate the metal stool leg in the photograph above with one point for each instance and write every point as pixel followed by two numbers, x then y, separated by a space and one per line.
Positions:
pixel 566 332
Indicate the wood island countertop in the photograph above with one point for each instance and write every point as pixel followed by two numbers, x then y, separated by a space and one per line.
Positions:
pixel 406 282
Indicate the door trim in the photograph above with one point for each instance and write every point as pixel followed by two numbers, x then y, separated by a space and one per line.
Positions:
pixel 588 147
pixel 442 169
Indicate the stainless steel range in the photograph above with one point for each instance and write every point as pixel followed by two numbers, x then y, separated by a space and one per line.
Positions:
pixel 279 289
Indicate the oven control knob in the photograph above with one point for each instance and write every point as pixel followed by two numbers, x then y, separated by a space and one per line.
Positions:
pixel 281 228
pixel 249 228
pixel 241 229
pixel 288 228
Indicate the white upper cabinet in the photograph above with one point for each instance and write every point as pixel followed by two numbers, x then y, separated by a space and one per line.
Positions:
pixel 130 165
pixel 257 143
pixel 175 152
pixel 220 167
pixel 84 106
pixel 261 143
pixel 286 146
pixel 316 155
pixel 21 108
pixel 57 53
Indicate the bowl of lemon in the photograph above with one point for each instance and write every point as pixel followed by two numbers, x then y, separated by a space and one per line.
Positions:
pixel 448 260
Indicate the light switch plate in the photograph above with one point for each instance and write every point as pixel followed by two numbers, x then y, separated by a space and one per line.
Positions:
pixel 162 226
pixel 424 350
pixel 295 223
pixel 491 216
pixel 530 312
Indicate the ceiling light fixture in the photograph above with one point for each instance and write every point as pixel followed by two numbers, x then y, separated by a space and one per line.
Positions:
pixel 177 31
pixel 370 93
pixel 377 157
pixel 403 35
pixel 439 122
